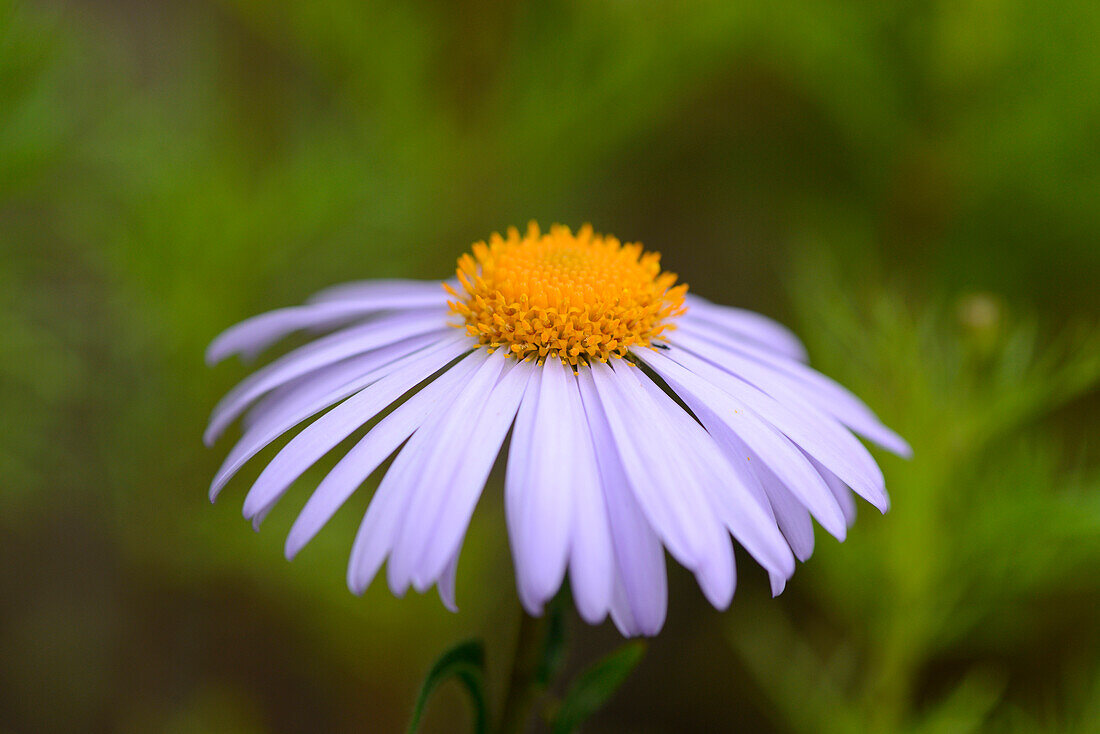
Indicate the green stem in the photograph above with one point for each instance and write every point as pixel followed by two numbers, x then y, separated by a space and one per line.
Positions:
pixel 524 687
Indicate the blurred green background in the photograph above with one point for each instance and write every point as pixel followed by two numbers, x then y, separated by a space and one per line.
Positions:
pixel 913 186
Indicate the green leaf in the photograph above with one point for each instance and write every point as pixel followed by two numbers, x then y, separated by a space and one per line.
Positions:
pixel 466 662
pixel 595 686
pixel 554 645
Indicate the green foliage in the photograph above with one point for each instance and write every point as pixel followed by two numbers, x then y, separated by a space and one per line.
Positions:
pixel 466 663
pixel 595 686
pixel 555 642
pixel 992 527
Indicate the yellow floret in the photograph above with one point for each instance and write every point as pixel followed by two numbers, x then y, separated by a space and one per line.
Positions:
pixel 580 297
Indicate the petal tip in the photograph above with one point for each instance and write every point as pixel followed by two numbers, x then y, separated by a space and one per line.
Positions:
pixel 778 584
pixel 448 603
pixel 210 435
pixel 213 354
pixel 803 554
pixel 292 547
pixel 593 617
pixel 893 443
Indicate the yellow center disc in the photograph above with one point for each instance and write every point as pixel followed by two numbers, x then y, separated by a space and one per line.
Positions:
pixel 580 297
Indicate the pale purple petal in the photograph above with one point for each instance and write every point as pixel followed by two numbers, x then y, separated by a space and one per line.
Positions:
pixel 792 517
pixel 315 355
pixel 423 292
pixel 745 325
pixel 623 616
pixel 844 496
pixel 253 335
pixel 469 477
pixel 446 583
pixel 516 473
pixel 326 432
pixel 778 583
pixel 591 557
pixel 440 449
pixel 759 366
pixel 293 391
pixel 717 575
pixel 382 440
pixel 737 496
pixel 704 464
pixel 382 521
pixel 737 455
pixel 389 507
pixel 313 396
pixel 711 403
pixel 640 594
pixel 653 463
pixel 813 431
pixel 467 442
pixel 540 503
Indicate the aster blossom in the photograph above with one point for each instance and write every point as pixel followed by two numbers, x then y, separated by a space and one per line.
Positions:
pixel 639 418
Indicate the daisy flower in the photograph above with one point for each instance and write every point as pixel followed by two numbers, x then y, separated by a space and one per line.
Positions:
pixel 641 419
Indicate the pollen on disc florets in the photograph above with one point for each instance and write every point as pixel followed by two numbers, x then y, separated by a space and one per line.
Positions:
pixel 580 297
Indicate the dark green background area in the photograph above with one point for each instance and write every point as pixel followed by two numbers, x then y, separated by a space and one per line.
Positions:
pixel 913 186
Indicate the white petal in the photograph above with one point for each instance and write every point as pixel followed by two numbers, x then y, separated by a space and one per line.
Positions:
pixel 640 597
pixel 745 325
pixel 326 432
pixel 539 494
pixel 372 450
pixel 710 403
pixel 320 353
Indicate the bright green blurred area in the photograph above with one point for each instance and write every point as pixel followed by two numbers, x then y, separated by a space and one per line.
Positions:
pixel 914 187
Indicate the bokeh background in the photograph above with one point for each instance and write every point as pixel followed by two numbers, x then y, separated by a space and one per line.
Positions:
pixel 913 186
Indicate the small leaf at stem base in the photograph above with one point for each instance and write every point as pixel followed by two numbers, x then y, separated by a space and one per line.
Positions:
pixel 466 662
pixel 595 686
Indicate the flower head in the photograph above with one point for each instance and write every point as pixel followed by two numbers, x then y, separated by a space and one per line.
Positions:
pixel 585 353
